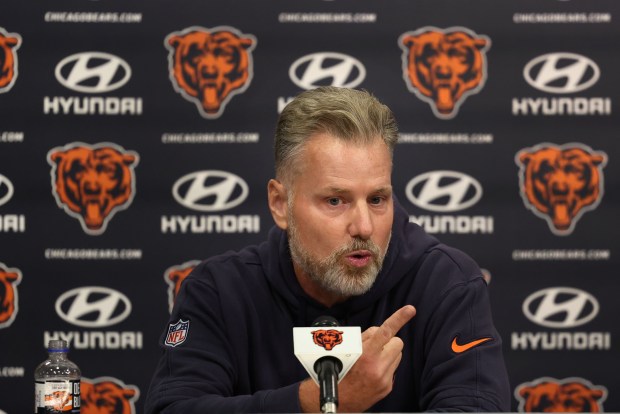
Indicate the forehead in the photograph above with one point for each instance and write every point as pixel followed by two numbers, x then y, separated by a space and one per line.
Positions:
pixel 327 158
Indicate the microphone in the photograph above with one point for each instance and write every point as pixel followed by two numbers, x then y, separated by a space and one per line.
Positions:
pixel 327 352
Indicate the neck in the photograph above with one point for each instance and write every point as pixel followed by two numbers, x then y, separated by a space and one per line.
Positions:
pixel 315 291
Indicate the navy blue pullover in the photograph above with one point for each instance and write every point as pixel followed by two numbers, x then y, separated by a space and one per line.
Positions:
pixel 242 307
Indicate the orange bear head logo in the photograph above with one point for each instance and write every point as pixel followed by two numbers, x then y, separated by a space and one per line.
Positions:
pixel 210 66
pixel 107 395
pixel 9 279
pixel 327 338
pixel 574 395
pixel 443 67
pixel 560 183
pixel 174 276
pixel 9 43
pixel 92 182
pixel 59 400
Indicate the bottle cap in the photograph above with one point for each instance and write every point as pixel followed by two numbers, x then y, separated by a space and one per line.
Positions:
pixel 59 345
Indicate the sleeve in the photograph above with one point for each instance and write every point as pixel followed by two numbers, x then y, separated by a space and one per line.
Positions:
pixel 464 368
pixel 197 371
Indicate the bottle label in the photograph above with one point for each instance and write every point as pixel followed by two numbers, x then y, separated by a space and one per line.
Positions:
pixel 57 396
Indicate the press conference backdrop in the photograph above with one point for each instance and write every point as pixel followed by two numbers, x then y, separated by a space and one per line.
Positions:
pixel 129 150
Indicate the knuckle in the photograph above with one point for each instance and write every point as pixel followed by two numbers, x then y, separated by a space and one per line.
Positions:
pixel 386 333
pixel 398 343
pixel 371 330
pixel 386 386
pixel 376 375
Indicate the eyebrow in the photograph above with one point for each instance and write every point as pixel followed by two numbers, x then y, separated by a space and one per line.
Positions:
pixel 381 190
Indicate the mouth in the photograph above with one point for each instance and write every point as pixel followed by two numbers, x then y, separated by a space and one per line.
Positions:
pixel 210 95
pixel 445 102
pixel 561 214
pixel 359 258
pixel 92 214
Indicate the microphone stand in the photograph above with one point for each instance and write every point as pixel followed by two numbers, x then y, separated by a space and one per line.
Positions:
pixel 327 369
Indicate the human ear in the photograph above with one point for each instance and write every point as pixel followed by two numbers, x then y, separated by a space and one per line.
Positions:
pixel 277 198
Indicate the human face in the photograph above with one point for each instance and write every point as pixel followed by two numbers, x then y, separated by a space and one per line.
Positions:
pixel 340 215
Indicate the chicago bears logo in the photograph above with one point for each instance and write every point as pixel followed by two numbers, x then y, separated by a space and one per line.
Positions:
pixel 174 276
pixel 59 401
pixel 327 338
pixel 107 395
pixel 9 43
pixel 560 183
pixel 443 67
pixel 9 279
pixel 93 182
pixel 574 395
pixel 210 66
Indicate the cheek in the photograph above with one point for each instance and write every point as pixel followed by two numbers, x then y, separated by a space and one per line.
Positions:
pixel 541 186
pixel 73 186
pixel 459 66
pixel 577 183
pixel 383 229
pixel 104 182
pixel 225 65
pixel 189 71
pixel 317 237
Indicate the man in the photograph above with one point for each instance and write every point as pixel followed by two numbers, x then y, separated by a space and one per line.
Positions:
pixel 342 246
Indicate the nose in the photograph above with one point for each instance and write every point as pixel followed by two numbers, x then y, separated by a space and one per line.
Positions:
pixel 208 67
pixel 90 185
pixel 360 224
pixel 559 188
pixel 443 72
pixel 442 69
pixel 559 184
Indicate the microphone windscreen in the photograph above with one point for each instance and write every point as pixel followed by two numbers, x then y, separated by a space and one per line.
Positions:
pixel 325 321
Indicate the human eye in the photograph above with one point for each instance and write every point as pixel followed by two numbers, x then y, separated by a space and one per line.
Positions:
pixel 106 169
pixel 77 170
pixel 377 200
pixel 456 53
pixel 334 201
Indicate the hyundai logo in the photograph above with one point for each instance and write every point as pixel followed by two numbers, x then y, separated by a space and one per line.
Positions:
pixel 6 190
pixel 93 72
pixel 561 72
pixel 560 307
pixel 93 306
pixel 443 191
pixel 210 190
pixel 327 69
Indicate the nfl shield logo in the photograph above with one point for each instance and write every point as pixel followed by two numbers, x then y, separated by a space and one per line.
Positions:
pixel 177 333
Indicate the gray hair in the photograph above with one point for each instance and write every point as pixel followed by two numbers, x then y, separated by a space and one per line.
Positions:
pixel 348 114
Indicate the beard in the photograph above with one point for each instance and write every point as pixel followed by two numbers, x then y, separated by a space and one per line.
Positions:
pixel 332 273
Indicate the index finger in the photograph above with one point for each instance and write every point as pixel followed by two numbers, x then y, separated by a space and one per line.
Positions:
pixel 391 326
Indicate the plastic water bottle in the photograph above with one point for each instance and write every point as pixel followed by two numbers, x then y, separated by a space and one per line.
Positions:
pixel 57 382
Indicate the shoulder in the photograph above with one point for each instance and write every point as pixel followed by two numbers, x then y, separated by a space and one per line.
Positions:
pixel 229 265
pixel 444 268
pixel 224 281
pixel 463 265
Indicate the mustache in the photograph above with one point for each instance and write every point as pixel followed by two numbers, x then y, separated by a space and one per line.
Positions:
pixel 358 244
